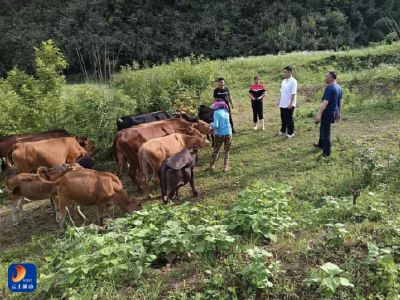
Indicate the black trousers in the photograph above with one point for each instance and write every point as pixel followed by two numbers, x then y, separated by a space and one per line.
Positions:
pixel 287 120
pixel 257 106
pixel 230 115
pixel 327 119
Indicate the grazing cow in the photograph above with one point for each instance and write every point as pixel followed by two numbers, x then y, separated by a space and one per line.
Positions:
pixel 155 151
pixel 29 156
pixel 7 142
pixel 89 187
pixel 128 141
pixel 30 186
pixel 206 114
pixel 129 121
pixel 177 171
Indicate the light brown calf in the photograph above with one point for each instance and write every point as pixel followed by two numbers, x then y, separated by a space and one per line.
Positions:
pixel 88 187
pixel 155 151
pixel 30 186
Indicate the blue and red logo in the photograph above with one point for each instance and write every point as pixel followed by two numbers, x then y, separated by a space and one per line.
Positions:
pixel 22 277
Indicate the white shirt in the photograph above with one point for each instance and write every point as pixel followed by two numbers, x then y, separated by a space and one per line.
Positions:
pixel 288 88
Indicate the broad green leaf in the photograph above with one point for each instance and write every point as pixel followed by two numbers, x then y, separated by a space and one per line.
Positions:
pixel 388 258
pixel 331 282
pixel 345 282
pixel 331 269
pixel 373 250
pixel 314 277
pixel 200 247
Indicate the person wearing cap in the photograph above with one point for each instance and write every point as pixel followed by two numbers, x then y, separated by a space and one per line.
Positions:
pixel 330 111
pixel 287 103
pixel 257 93
pixel 222 94
pixel 223 133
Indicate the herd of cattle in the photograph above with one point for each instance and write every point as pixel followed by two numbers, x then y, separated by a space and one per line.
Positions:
pixel 62 165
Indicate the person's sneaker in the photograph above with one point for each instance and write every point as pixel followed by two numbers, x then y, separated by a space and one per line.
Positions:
pixel 289 136
pixel 280 133
pixel 263 128
pixel 255 127
pixel 226 169
pixel 322 155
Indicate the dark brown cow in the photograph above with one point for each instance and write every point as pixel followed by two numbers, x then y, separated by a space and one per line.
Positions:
pixel 128 141
pixel 7 142
pixel 29 156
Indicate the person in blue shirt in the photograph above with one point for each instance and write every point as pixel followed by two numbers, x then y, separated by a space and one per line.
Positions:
pixel 223 133
pixel 330 111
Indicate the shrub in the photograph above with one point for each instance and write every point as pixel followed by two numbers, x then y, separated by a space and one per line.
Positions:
pixel 261 212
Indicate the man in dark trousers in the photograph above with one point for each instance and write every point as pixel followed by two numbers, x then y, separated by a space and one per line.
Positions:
pixel 330 111
pixel 287 103
pixel 222 93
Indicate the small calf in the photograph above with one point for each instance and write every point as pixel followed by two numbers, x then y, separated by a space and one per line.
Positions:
pixel 177 171
pixel 88 187
pixel 30 186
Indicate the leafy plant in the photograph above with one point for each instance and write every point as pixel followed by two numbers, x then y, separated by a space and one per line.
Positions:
pixel 336 237
pixel 262 211
pixel 329 280
pixel 256 271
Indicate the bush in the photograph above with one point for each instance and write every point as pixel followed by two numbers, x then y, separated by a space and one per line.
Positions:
pixel 190 76
pixel 261 212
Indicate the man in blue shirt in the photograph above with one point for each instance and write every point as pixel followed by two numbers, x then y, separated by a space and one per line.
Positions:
pixel 330 111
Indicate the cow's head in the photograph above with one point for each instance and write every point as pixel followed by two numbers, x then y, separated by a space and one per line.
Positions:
pixel 92 153
pixel 86 143
pixel 203 127
pixel 195 153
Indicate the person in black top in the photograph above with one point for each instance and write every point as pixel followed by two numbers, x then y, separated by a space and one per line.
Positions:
pixel 222 94
pixel 257 93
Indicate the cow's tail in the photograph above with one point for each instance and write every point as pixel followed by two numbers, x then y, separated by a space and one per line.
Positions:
pixel 143 168
pixel 46 181
pixel 114 147
pixel 6 186
pixel 10 162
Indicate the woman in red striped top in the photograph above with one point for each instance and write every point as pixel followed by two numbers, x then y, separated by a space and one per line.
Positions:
pixel 257 93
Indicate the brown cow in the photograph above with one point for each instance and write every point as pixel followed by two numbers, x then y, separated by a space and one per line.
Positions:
pixel 89 187
pixel 128 141
pixel 8 141
pixel 30 186
pixel 29 156
pixel 155 151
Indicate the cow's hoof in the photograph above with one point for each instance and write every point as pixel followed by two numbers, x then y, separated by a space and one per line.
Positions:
pixel 62 236
pixel 149 196
pixel 195 194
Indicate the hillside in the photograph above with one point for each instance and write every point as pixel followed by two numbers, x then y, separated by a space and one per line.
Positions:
pixel 93 32
pixel 310 225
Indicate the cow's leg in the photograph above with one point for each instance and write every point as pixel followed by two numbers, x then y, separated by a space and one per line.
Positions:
pixel 63 210
pixel 100 213
pixel 121 163
pixel 155 177
pixel 171 194
pixel 57 208
pixel 195 193
pixel 164 185
pixel 212 140
pixel 78 209
pixel 132 174
pixel 13 209
pixel 109 206
pixel 52 204
pixel 20 201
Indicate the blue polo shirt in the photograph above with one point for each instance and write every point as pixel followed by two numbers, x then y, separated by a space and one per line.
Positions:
pixel 221 122
pixel 333 94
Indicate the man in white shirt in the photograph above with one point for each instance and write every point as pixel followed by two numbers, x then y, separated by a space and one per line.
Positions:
pixel 287 103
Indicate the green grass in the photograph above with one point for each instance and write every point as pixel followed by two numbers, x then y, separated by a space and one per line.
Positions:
pixel 371 120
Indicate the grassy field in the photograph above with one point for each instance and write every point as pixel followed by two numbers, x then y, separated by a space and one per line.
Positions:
pixel 329 228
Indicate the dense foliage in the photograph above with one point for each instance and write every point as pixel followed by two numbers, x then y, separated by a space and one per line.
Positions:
pixel 100 34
